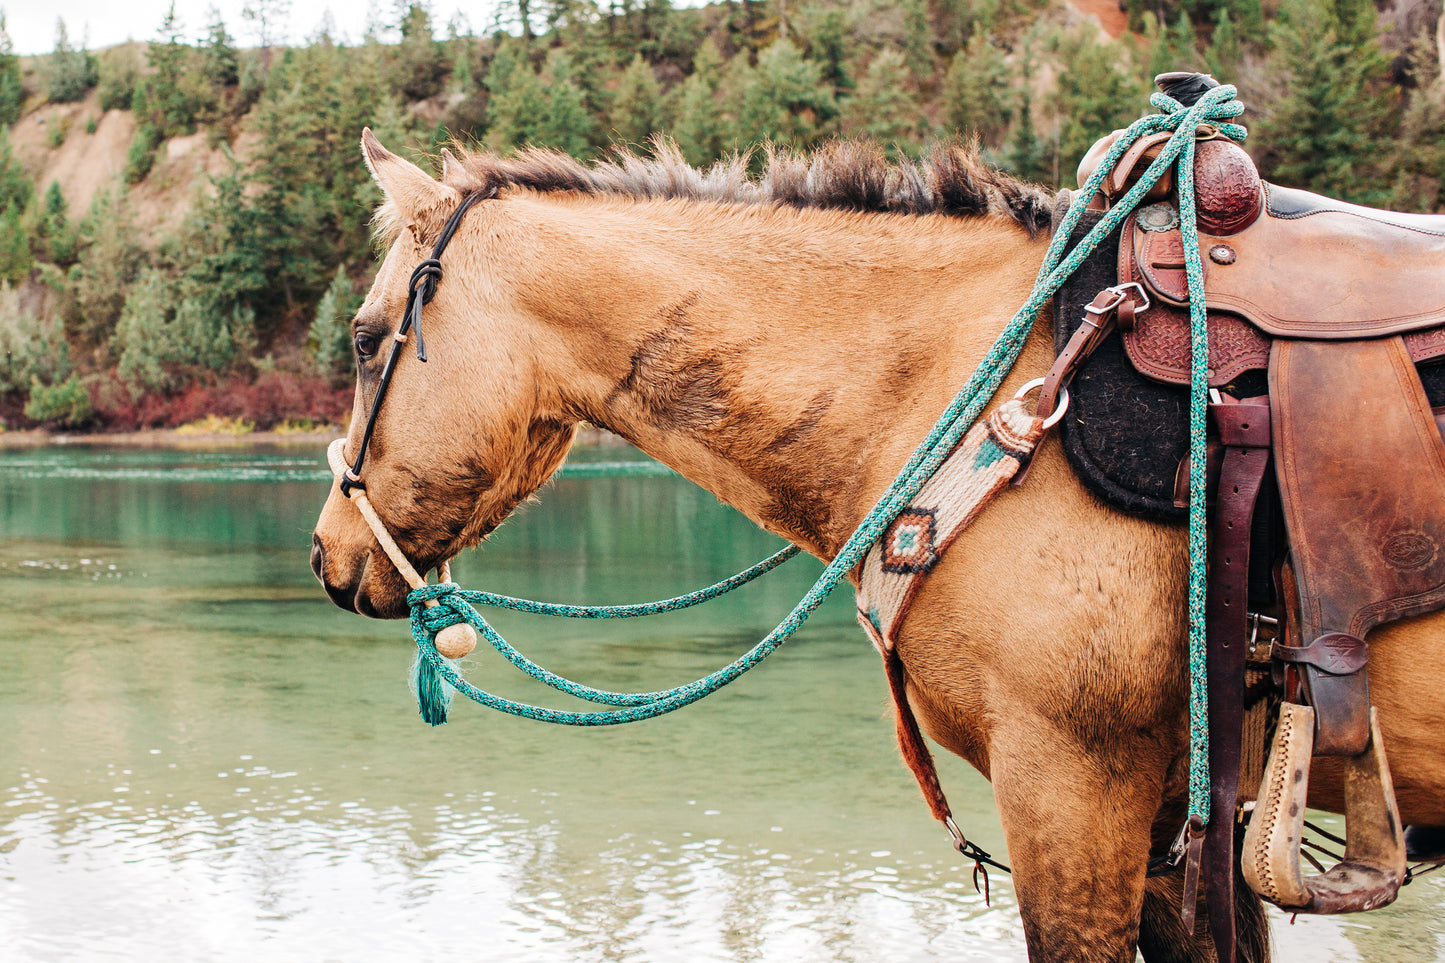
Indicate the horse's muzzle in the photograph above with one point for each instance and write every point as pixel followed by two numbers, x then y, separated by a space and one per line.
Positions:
pixel 344 597
pixel 375 591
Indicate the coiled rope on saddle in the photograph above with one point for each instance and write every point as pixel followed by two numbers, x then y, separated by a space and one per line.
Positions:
pixel 437 610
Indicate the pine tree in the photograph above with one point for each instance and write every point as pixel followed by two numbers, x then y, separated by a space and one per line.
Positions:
pixel 823 33
pixel 68 73
pixel 637 106
pixel 56 240
pixel 15 257
pixel 917 38
pixel 565 123
pixel 517 99
pixel 330 336
pixel 120 71
pixel 143 336
pixel 1418 178
pixel 109 261
pixel 32 348
pixel 172 91
pixel 15 187
pixel 12 91
pixel 783 99
pixel 219 59
pixel 1099 95
pixel 884 107
pixel 697 125
pixel 422 62
pixel 1225 54
pixel 695 119
pixel 977 98
pixel 1332 125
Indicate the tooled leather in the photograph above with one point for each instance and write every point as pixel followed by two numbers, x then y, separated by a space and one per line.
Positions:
pixel 1228 194
pixel 1160 345
pixel 1362 480
pixel 1338 274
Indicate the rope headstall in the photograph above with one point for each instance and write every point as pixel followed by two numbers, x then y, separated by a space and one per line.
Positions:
pixel 459 639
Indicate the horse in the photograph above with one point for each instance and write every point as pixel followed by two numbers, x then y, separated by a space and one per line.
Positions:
pixel 785 340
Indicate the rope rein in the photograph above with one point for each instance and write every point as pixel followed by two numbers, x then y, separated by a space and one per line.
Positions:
pixel 444 618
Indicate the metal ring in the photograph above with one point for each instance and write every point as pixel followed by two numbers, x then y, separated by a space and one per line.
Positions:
pixel 1059 408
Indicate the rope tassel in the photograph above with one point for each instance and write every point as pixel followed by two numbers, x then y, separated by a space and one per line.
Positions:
pixel 433 695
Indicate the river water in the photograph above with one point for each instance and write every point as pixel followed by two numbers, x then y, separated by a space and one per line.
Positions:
pixel 202 759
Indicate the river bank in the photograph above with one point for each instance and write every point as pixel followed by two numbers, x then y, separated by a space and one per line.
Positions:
pixel 177 438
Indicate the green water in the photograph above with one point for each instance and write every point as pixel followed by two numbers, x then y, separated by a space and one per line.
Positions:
pixel 202 759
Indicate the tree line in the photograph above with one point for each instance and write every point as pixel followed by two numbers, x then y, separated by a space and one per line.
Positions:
pixel 102 326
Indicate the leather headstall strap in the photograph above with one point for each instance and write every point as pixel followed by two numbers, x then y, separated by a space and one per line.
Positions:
pixel 420 290
pixel 1244 433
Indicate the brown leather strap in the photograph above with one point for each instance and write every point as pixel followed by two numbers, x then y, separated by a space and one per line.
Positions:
pixel 1244 431
pixel 1111 307
pixel 910 740
pixel 1361 470
pixel 1333 652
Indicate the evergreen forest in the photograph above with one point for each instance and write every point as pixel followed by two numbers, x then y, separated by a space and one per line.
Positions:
pixel 212 266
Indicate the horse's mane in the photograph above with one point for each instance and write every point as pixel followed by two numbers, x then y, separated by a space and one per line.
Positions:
pixel 950 179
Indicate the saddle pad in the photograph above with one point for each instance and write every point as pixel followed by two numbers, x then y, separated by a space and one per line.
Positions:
pixel 1125 434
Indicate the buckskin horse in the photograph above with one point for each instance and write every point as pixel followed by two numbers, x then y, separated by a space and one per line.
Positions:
pixel 785 342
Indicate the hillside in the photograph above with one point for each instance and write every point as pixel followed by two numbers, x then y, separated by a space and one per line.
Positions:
pixel 183 224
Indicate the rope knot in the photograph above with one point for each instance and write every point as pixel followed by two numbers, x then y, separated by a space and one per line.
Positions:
pixel 423 287
pixel 445 619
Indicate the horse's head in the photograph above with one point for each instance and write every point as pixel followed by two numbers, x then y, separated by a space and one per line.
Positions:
pixel 459 440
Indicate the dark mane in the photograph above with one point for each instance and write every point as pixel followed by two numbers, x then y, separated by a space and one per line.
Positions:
pixel 950 179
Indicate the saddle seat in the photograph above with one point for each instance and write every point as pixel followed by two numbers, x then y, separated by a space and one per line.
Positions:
pixel 1310 267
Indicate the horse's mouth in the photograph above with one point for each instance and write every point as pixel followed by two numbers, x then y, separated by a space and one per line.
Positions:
pixel 369 591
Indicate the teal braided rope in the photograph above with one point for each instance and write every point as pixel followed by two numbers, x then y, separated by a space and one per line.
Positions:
pixel 1198 409
pixel 1216 106
pixel 637 610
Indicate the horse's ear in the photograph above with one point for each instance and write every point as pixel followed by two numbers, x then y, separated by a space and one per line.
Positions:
pixel 414 194
pixel 454 175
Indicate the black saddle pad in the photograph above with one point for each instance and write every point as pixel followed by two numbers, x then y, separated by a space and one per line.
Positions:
pixel 1124 434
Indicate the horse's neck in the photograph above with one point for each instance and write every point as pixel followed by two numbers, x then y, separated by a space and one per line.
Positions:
pixel 786 361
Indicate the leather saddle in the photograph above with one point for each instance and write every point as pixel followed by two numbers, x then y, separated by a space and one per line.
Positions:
pixel 1330 306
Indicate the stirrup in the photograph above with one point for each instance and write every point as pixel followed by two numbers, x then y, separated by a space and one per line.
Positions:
pixel 1374 865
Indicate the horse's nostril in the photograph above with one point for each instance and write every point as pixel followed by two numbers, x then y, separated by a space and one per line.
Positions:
pixel 318 558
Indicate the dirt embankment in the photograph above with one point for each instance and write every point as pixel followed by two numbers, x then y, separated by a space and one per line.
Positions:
pixel 91 157
pixel 1113 20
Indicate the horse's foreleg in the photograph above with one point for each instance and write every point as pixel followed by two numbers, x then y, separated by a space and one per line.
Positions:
pixel 1078 823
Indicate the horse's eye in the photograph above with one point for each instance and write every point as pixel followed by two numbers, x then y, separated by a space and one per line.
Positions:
pixel 366 345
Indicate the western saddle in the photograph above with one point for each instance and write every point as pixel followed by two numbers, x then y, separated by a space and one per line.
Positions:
pixel 1338 303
